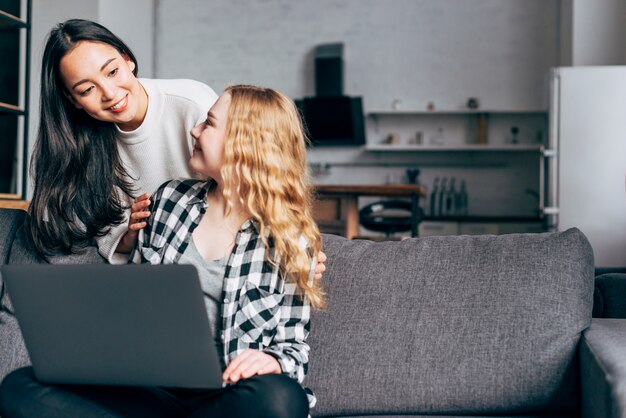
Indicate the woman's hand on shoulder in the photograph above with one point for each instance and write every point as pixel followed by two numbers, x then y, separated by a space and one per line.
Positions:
pixel 136 222
pixel 320 267
pixel 250 363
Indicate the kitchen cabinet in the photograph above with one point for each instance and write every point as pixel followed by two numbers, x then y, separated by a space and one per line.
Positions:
pixel 15 34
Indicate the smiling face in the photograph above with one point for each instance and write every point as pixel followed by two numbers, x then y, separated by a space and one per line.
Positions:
pixel 99 80
pixel 209 137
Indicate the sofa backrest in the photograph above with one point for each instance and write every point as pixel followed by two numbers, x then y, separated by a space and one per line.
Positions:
pixel 451 325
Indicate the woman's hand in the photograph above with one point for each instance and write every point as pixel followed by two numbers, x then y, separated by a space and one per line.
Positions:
pixel 320 267
pixel 250 363
pixel 138 213
pixel 136 222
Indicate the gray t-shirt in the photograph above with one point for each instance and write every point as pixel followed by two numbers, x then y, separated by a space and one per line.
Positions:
pixel 211 274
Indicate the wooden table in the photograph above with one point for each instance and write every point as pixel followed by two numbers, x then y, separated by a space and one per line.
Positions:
pixel 348 197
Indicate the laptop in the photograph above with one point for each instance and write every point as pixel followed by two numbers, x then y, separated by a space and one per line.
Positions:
pixel 135 325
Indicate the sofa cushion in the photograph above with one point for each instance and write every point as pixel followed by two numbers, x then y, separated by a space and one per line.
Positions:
pixel 451 325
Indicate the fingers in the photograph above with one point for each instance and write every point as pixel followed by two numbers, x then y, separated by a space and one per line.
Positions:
pixel 142 197
pixel 141 203
pixel 250 363
pixel 320 267
pixel 136 221
pixel 136 226
pixel 232 372
pixel 139 213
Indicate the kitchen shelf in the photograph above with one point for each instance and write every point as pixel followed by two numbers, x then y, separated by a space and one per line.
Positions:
pixel 456 148
pixel 12 201
pixel 375 113
pixel 12 109
pixel 7 19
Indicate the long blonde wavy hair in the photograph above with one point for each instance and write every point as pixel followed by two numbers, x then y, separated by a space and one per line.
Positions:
pixel 265 167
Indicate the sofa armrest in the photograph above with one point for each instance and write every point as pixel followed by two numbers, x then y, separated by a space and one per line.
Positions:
pixel 603 368
pixel 609 298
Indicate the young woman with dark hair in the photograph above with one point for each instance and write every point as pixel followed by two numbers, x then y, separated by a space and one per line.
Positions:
pixel 104 137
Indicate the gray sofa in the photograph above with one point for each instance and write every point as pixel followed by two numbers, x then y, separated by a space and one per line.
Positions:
pixel 442 326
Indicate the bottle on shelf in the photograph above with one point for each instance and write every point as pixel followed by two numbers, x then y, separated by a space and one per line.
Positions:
pixel 483 129
pixel 477 129
pixel 461 202
pixel 450 199
pixel 433 197
pixel 440 196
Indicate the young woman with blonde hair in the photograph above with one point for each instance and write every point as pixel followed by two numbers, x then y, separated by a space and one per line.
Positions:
pixel 249 231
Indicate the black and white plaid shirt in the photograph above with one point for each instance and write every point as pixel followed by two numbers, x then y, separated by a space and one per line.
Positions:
pixel 260 310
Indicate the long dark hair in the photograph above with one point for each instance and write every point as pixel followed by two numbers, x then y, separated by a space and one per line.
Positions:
pixel 79 177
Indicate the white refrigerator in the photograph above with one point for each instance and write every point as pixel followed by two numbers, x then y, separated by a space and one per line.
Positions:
pixel 586 158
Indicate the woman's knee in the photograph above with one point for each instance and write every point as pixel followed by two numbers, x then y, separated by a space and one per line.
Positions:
pixel 14 388
pixel 280 396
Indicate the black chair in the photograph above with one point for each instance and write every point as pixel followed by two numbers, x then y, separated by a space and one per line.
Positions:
pixel 388 216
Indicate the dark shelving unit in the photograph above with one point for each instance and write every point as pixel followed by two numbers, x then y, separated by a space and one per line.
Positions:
pixel 15 43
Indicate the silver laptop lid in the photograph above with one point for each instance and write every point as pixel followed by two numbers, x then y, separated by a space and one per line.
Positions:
pixel 115 325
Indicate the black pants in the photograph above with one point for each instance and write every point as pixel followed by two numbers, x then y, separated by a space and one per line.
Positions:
pixel 276 396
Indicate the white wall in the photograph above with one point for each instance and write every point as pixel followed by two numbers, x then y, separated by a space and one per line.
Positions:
pixel 415 51
pixel 565 25
pixel 598 32
pixel 135 26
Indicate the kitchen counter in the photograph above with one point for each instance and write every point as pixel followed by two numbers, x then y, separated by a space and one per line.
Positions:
pixel 371 189
pixel 338 204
